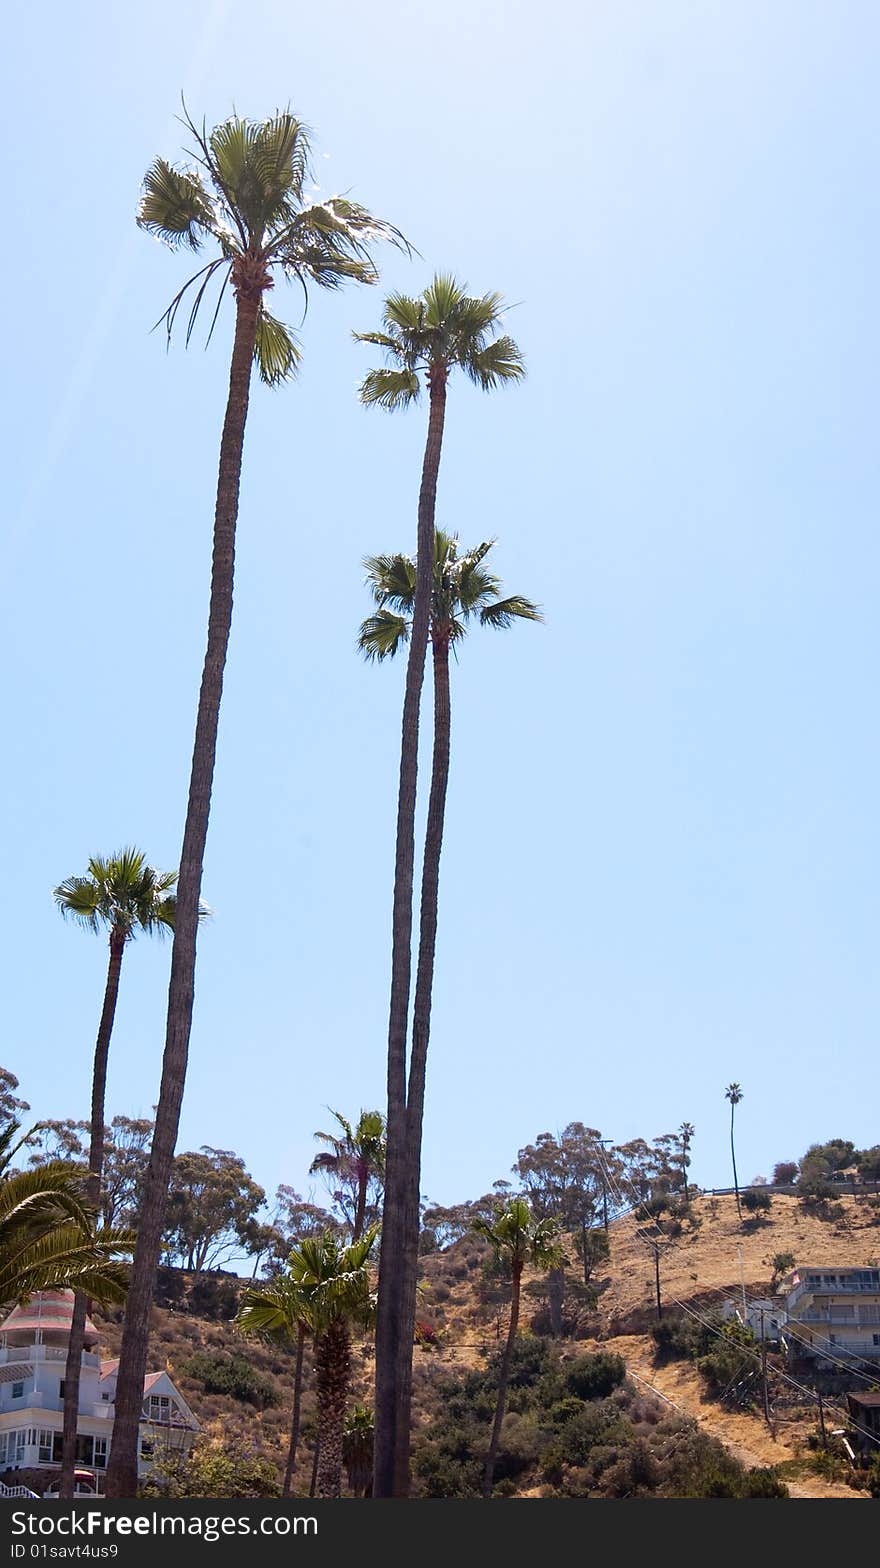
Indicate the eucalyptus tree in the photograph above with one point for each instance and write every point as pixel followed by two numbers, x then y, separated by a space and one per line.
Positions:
pixel 517 1239
pixel 424 340
pixel 353 1166
pixel 243 194
pixel 734 1094
pixel 124 896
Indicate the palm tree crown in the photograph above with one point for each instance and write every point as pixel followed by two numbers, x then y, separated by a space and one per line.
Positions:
pixel 462 590
pixel 356 1159
pixel 122 892
pixel 245 193
pixel 733 1093
pixel 443 328
pixel 520 1238
pixel 332 1280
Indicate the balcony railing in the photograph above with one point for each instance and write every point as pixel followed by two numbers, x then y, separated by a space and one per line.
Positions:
pixel 33 1353
pixel 849 1287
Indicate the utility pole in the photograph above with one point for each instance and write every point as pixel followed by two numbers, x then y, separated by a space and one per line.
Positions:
pixel 822 1421
pixel 764 1371
pixel 656 1246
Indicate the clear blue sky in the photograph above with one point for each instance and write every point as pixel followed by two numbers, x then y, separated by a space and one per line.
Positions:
pixel 661 866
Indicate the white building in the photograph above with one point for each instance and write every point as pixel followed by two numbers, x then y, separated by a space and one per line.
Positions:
pixel 33 1353
pixel 764 1317
pixel 832 1313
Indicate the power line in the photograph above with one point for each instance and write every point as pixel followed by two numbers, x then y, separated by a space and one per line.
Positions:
pixel 811 1395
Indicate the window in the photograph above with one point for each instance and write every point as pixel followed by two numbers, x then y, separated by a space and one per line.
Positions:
pixel 100 1460
pixel 61 1389
pixel 146 1448
pixel 106 1398
pixel 84 1450
pixel 18 1390
pixel 157 1407
pixel 876 1338
pixel 45 1449
pixel 12 1445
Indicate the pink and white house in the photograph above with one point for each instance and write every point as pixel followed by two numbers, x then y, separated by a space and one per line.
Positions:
pixel 33 1353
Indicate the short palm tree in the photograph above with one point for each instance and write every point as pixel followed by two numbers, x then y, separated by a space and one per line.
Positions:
pixel 464 592
pixel 244 196
pixel 734 1094
pixel 517 1238
pixel 357 1449
pixel 47 1234
pixel 425 340
pixel 124 896
pixel 279 1313
pixel 357 1159
pixel 333 1280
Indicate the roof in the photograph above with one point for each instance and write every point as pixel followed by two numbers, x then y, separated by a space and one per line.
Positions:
pixel 50 1310
pixel 870 1398
pixel 110 1368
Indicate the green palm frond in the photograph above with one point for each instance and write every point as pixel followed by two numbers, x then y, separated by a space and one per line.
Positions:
pixel 273 1312
pixel 276 351
pixel 504 612
pixel 175 206
pixel 64 1259
pixel 333 1279
pixel 47 1236
pixel 122 892
pixel 390 389
pixel 498 361
pixel 392 580
pixel 382 635
pixel 463 588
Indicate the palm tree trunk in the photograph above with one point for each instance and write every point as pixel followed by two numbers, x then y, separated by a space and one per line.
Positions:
pixel 73 1365
pixel 297 1404
pixel 390 1319
pixel 503 1379
pixel 733 1158
pixel 332 1372
pixel 361 1208
pixel 556 1297
pixel 421 1034
pixel 122 1469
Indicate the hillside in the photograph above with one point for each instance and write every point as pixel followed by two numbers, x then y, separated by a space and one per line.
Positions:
pixel 464 1318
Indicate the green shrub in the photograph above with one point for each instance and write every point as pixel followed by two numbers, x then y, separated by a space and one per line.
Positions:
pixel 755 1202
pixel 595 1377
pixel 232 1375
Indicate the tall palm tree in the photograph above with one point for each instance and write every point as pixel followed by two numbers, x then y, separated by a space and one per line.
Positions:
pixel 734 1094
pixel 356 1159
pixel 463 591
pixel 686 1134
pixel 243 196
pixel 517 1238
pixel 333 1280
pixel 280 1312
pixel 123 895
pixel 425 340
pixel 47 1234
